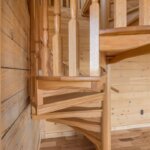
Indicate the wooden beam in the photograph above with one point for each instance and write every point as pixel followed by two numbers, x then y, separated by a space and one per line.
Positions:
pixel 57 47
pixel 94 38
pixel 55 106
pixel 144 12
pixel 120 13
pixel 44 49
pixel 73 40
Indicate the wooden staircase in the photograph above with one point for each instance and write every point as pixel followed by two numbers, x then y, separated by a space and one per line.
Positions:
pixel 83 103
pixel 74 101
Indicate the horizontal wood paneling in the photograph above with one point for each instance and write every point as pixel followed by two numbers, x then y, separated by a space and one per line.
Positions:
pixel 19 131
pixel 22 134
pixel 12 108
pixel 13 81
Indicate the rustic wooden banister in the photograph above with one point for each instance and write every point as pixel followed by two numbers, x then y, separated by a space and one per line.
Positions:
pixel 44 49
pixel 94 38
pixel 56 41
pixel 73 40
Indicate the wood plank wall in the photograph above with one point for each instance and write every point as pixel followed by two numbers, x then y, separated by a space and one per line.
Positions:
pixel 130 107
pixel 18 130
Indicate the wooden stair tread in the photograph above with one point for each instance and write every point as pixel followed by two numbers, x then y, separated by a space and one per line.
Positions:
pixel 62 104
pixel 57 98
pixel 79 123
pixel 72 114
pixel 131 30
pixel 126 41
pixel 69 79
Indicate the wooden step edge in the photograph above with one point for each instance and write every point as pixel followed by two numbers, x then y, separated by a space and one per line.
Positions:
pixel 70 114
pixel 47 108
pixel 80 124
pixel 70 79
pixel 132 30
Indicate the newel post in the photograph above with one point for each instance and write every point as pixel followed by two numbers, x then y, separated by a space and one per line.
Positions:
pixel 94 38
pixel 73 40
pixel 44 49
pixel 57 53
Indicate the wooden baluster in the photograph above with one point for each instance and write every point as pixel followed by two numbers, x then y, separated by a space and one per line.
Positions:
pixel 94 38
pixel 104 11
pixel 144 12
pixel 37 40
pixel 57 54
pixel 120 13
pixel 73 40
pixel 44 49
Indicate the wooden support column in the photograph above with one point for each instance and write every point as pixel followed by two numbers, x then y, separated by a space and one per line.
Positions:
pixel 120 13
pixel 144 12
pixel 94 38
pixel 57 53
pixel 106 117
pixel 73 40
pixel 44 49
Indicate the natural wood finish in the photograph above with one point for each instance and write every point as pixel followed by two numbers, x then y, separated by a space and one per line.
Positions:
pixel 73 40
pixel 55 106
pixel 106 119
pixel 135 139
pixel 130 42
pixel 44 50
pixel 57 48
pixel 94 38
pixel 79 123
pixel 120 13
pixel 144 12
pixel 70 114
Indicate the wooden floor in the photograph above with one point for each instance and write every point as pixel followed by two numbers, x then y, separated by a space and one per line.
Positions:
pixel 135 139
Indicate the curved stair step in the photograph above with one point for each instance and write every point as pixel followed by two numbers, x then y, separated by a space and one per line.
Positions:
pixel 55 106
pixel 70 114
pixel 79 123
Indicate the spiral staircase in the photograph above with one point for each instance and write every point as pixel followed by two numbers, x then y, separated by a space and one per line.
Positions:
pixel 83 102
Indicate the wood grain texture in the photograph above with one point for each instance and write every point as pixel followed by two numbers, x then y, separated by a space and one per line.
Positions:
pixel 135 139
pixel 16 123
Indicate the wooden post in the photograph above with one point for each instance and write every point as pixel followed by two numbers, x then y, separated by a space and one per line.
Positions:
pixel 73 40
pixel 44 50
pixel 106 118
pixel 120 13
pixel 104 9
pixel 144 17
pixel 94 38
pixel 57 54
